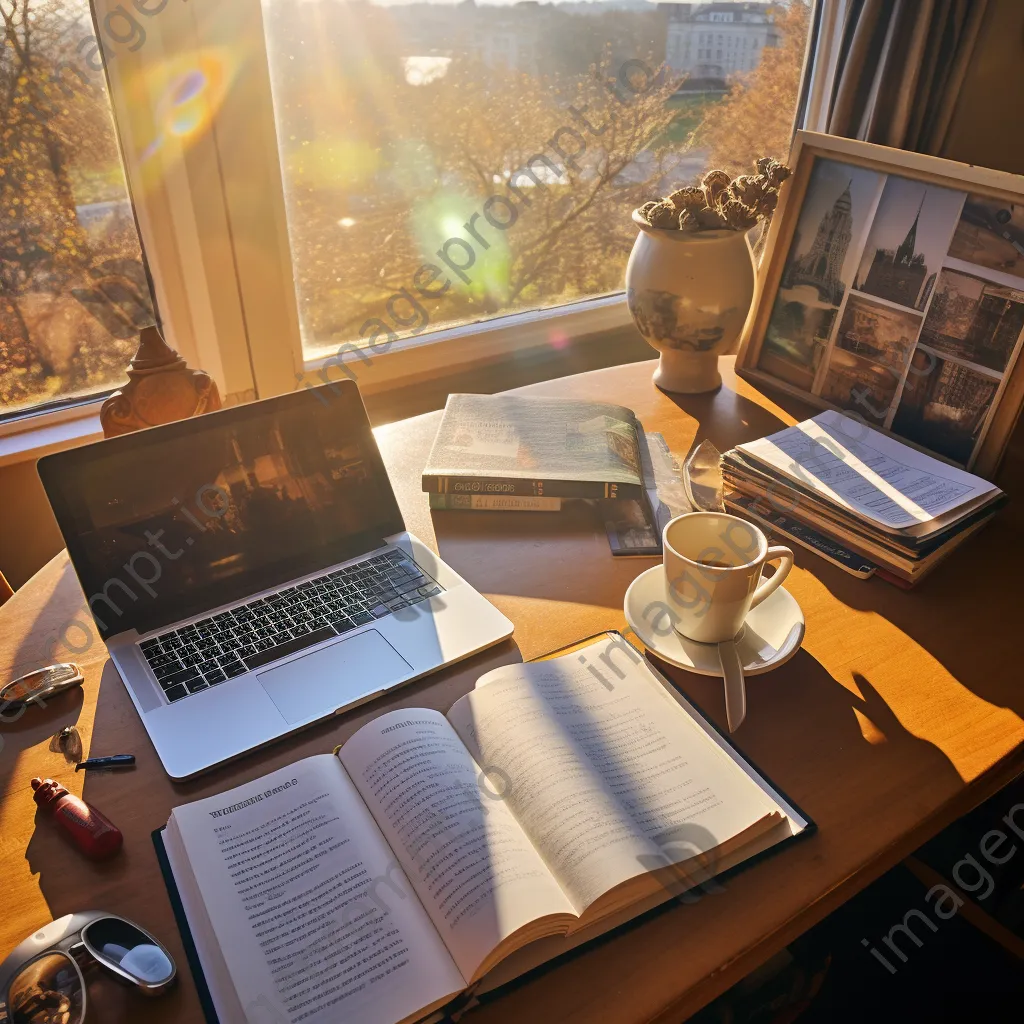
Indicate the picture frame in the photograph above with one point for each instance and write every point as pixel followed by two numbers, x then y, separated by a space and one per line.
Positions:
pixel 892 289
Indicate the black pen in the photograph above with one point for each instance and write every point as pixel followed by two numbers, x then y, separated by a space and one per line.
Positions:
pixel 105 763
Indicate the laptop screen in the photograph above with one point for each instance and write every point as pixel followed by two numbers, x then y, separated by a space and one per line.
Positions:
pixel 169 522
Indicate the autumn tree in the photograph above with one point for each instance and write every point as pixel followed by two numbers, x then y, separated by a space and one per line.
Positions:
pixel 756 117
pixel 70 303
pixel 38 130
pixel 403 169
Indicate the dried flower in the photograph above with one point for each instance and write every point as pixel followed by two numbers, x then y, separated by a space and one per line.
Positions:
pixel 662 215
pixel 690 197
pixel 719 201
pixel 714 184
pixel 709 219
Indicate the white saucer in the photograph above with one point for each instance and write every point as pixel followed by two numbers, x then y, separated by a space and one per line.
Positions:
pixel 771 635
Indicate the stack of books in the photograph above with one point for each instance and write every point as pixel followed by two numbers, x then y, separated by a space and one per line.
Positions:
pixel 901 510
pixel 506 453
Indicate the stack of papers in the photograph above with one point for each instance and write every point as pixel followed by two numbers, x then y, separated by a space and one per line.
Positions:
pixel 900 508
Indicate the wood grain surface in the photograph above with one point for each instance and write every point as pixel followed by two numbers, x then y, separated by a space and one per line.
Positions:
pixel 902 711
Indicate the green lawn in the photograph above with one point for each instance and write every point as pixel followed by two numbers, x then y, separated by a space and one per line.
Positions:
pixel 690 110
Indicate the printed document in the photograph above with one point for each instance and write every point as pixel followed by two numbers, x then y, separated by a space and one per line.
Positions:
pixel 873 475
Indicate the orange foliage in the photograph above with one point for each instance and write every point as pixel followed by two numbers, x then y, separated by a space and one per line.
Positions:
pixel 756 118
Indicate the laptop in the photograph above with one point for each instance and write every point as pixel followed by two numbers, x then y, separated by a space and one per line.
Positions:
pixel 250 572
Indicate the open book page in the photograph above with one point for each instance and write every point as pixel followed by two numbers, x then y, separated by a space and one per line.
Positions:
pixel 867 472
pixel 587 837
pixel 314 917
pixel 635 783
pixel 472 866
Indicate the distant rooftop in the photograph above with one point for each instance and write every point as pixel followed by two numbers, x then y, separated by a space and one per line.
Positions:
pixel 721 10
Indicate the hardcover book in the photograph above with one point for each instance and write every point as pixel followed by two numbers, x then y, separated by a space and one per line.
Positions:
pixel 543 447
pixel 495 502
pixel 434 857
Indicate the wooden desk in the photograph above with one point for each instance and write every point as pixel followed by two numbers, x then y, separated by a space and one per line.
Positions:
pixel 901 712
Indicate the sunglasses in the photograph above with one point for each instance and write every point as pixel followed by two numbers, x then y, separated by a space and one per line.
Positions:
pixel 42 981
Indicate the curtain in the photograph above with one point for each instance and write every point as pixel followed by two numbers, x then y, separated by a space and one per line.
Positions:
pixel 901 65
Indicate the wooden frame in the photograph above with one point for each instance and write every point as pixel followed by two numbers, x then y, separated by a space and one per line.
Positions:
pixel 847 318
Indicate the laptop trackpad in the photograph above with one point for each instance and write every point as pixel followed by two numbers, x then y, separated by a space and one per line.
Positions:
pixel 334 676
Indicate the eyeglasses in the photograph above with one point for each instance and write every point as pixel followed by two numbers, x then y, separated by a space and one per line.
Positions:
pixel 38 687
pixel 42 981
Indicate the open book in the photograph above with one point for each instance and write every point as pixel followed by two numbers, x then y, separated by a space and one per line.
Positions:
pixel 556 800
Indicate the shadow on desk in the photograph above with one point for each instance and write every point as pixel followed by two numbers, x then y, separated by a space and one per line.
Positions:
pixel 964 620
pixel 949 608
pixel 35 727
pixel 799 715
pixel 726 418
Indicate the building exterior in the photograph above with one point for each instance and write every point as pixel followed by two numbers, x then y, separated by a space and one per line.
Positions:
pixel 860 332
pixel 960 397
pixel 897 274
pixel 508 37
pixel 982 330
pixel 822 264
pixel 717 40
pixel 498 35
pixel 994 330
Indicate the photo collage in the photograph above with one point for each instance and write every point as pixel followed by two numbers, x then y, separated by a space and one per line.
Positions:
pixel 902 302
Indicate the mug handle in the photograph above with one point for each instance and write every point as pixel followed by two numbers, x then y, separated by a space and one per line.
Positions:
pixel 768 587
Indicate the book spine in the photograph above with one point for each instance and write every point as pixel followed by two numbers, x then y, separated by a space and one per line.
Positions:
pixel 450 485
pixel 496 502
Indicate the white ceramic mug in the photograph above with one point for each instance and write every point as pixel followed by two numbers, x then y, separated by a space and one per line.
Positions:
pixel 713 565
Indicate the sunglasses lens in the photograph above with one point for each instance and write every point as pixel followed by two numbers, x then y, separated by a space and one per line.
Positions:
pixel 120 944
pixel 47 991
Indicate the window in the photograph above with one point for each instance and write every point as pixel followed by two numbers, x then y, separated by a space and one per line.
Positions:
pixel 427 185
pixel 372 178
pixel 73 291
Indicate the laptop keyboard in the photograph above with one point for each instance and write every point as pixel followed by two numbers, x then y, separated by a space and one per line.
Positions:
pixel 205 653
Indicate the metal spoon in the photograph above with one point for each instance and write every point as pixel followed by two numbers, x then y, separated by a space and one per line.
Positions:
pixel 735 686
pixel 702 481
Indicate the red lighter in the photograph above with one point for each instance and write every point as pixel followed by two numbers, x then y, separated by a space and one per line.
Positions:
pixel 90 831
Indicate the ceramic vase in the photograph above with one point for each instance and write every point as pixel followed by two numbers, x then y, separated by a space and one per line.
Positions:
pixel 689 294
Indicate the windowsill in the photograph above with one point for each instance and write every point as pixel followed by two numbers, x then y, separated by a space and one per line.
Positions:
pixel 28 439
pixel 440 353
pixel 420 358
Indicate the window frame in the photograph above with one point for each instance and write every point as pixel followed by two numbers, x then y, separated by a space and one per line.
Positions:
pixel 203 198
pixel 222 268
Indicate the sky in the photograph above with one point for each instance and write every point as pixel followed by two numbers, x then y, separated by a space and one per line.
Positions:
pixel 896 209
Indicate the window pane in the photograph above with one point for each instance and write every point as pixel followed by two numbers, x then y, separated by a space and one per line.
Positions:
pixel 73 292
pixel 452 162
